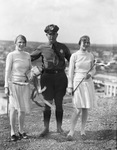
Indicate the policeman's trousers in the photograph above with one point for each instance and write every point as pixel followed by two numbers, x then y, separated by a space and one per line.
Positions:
pixel 55 90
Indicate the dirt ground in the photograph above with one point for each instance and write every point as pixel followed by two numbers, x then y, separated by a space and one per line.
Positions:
pixel 101 129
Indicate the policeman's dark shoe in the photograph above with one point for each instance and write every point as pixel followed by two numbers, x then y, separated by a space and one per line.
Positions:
pixel 14 138
pixel 61 131
pixel 22 136
pixel 44 132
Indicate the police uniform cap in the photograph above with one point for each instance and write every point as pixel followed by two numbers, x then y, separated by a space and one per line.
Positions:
pixel 50 29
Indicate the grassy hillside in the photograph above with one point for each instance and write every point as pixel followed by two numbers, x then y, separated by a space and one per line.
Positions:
pixel 100 129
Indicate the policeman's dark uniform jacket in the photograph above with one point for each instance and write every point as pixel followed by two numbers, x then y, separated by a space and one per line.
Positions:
pixel 53 76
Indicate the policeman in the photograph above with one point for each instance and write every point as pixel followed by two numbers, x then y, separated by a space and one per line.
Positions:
pixel 53 56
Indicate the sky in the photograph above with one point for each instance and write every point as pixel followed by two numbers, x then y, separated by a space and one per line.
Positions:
pixel 75 18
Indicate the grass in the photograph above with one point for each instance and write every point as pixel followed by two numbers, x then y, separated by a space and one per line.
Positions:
pixel 100 129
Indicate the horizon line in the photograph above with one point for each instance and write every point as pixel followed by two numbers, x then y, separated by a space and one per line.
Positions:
pixel 62 42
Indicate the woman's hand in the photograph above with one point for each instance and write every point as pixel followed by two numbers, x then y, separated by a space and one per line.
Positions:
pixel 6 91
pixel 69 90
pixel 88 76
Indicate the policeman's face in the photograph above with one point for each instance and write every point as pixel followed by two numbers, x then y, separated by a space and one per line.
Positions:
pixel 52 37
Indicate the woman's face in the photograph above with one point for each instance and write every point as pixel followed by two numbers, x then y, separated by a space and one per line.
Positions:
pixel 20 44
pixel 85 44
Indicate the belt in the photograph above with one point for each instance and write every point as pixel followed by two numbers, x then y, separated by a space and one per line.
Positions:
pixel 53 71
pixel 21 83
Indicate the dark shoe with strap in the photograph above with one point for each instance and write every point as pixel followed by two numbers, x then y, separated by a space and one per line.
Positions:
pixel 14 138
pixel 22 135
pixel 69 137
pixel 44 132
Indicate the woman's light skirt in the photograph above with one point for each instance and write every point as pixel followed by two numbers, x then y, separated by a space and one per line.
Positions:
pixel 19 98
pixel 84 96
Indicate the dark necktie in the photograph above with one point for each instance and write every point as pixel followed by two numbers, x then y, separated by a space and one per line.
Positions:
pixel 56 58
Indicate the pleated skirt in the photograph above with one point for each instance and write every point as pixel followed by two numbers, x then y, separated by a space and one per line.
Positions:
pixel 19 98
pixel 84 96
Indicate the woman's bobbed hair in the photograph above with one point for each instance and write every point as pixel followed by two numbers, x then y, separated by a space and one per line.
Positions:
pixel 84 38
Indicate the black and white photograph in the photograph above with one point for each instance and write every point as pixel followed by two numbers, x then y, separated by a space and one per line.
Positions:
pixel 58 75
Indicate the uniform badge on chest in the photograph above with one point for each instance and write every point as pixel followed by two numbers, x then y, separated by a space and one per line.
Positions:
pixel 61 51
